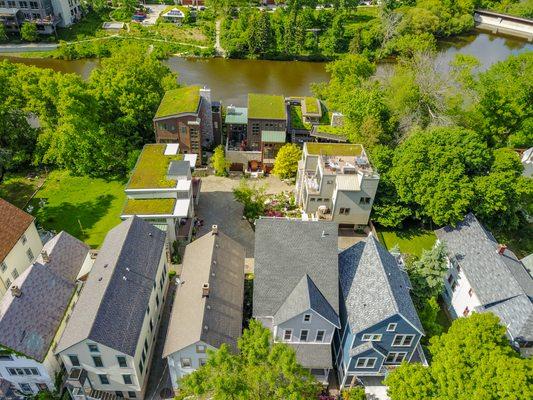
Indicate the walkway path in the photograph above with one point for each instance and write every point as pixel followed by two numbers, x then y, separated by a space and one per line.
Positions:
pixel 218 47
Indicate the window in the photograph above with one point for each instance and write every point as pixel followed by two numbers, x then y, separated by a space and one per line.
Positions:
pixel 8 282
pixel 312 199
pixel 74 360
pixel 403 340
pixel 118 393
pixel 186 363
pixel 26 388
pixel 395 357
pixel 344 211
pixel 23 237
pixel 391 327
pixel 320 335
pixel 122 363
pixel 202 361
pixel 11 4
pixel 307 317
pixel 42 387
pixel 3 266
pixel 303 335
pixel 93 348
pixel 157 300
pixel 371 337
pixel 364 200
pixel 127 379
pixel 450 279
pixel 15 274
pixel 141 366
pixel 132 395
pixel 151 325
pixel 5 357
pixel 200 348
pixel 29 254
pixel 146 344
pixel 470 292
pixel 34 5
pixel 12 371
pixel 287 335
pixel 104 380
pixel 454 285
pixel 366 362
pixel 466 311
pixel 98 361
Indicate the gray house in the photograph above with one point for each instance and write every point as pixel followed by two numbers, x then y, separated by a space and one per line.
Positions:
pixel 379 325
pixel 296 288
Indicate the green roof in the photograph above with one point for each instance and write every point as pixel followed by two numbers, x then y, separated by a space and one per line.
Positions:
pixel 334 149
pixel 266 106
pixel 178 101
pixel 332 130
pixel 311 105
pixel 149 207
pixel 239 115
pixel 273 136
pixel 297 121
pixel 151 168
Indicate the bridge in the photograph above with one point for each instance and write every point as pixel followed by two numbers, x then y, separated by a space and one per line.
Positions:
pixel 505 24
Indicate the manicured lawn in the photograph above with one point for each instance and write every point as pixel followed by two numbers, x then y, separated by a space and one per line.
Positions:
pixel 18 188
pixel 411 241
pixel 85 207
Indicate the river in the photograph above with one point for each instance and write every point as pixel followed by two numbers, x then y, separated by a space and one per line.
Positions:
pixel 231 80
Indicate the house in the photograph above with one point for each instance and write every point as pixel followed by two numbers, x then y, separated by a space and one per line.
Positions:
pixel 380 327
pixel 484 276
pixel 208 306
pixel 108 344
pixel 185 116
pixel 162 191
pixel 34 313
pixel 336 182
pixel 20 243
pixel 11 18
pixel 296 288
pixel 175 15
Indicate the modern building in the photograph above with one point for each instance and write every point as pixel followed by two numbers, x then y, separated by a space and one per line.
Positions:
pixel 216 112
pixel 208 306
pixel 162 191
pixel 296 288
pixel 20 243
pixel 185 117
pixel 336 182
pixel 484 276
pixel 108 344
pixel 266 113
pixel 380 327
pixel 35 311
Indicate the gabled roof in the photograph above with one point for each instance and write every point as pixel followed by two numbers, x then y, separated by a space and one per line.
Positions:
pixel 285 252
pixel 113 301
pixel 218 260
pixel 305 296
pixel 373 286
pixel 13 224
pixel 500 281
pixel 363 347
pixel 28 324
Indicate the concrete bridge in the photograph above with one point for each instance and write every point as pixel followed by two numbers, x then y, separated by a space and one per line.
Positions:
pixel 505 24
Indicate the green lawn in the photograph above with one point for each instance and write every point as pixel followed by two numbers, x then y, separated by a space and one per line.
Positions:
pixel 18 188
pixel 85 207
pixel 411 241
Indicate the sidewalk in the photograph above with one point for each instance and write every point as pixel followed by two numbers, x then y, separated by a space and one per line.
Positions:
pixel 26 48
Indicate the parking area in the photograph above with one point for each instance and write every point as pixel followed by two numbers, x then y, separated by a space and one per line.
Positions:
pixel 153 14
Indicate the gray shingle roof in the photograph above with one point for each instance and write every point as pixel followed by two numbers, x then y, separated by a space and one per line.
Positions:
pixel 373 286
pixel 28 324
pixel 501 282
pixel 111 309
pixel 354 352
pixel 219 261
pixel 287 250
pixel 313 355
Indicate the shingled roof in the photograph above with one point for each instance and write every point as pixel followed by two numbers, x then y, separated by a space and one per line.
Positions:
pixel 113 301
pixel 373 286
pixel 13 224
pixel 217 260
pixel 28 324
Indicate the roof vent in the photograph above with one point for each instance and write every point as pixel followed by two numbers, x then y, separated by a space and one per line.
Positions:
pixel 150 234
pixel 214 229
pixel 205 327
pixel 15 291
pixel 205 290
pixel 45 256
pixel 324 234
pixel 501 249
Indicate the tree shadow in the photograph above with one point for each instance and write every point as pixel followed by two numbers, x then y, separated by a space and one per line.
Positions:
pixel 76 219
pixel 17 192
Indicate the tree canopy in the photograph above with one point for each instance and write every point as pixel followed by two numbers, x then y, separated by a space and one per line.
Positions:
pixel 286 162
pixel 219 162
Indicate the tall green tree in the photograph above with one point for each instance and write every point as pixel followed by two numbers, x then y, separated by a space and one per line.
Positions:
pixel 28 32
pixel 219 162
pixel 286 163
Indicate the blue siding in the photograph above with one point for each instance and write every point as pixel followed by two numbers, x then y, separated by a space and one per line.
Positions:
pixel 367 354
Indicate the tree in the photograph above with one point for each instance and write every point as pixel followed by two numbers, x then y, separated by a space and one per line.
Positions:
pixel 252 198
pixel 259 34
pixel 3 35
pixel 219 162
pixel 28 32
pixel 355 393
pixel 286 163
pixel 260 370
pixel 429 317
pixel 475 347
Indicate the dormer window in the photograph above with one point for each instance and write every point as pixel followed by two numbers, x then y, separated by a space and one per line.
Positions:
pixel 307 317
pixel 391 327
pixel 371 337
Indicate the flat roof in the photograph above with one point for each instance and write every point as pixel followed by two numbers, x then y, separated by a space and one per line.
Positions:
pixel 311 106
pixel 151 168
pixel 334 149
pixel 179 101
pixel 273 136
pixel 266 106
pixel 236 115
pixel 191 158
pixel 149 207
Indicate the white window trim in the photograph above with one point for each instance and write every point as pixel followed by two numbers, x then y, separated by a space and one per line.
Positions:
pixel 285 333
pixel 404 337
pixel 367 361
pixel 323 335
pixel 307 336
pixel 371 337
pixel 392 327
pixel 396 354
pixel 310 318
pixel 186 366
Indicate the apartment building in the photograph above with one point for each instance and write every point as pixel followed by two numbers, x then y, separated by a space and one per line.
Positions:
pixel 108 344
pixel 336 182
pixel 20 243
pixel 35 311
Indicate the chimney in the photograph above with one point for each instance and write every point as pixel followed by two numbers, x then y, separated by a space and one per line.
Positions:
pixel 46 256
pixel 15 291
pixel 205 290
pixel 214 229
pixel 501 249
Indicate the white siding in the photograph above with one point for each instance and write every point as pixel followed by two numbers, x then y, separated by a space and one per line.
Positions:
pixel 45 376
pixel 461 297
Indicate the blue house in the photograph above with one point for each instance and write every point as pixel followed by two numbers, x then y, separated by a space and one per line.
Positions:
pixel 380 327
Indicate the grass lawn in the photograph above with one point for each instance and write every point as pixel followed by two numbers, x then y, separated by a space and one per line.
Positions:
pixel 411 241
pixel 85 207
pixel 18 188
pixel 87 27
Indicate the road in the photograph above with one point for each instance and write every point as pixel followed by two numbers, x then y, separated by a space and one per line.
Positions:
pixel 27 48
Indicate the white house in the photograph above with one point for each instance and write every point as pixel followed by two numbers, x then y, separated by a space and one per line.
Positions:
pixel 107 347
pixel 20 243
pixel 207 309
pixel 34 313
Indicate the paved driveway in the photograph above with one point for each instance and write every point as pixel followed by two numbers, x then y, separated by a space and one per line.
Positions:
pixel 155 10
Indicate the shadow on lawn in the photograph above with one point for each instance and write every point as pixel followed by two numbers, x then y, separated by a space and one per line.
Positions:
pixel 17 192
pixel 76 219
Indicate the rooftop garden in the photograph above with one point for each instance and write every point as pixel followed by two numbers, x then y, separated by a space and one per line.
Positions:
pixel 297 121
pixel 151 168
pixel 178 101
pixel 266 106
pixel 311 105
pixel 149 206
pixel 334 149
